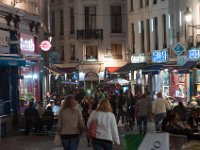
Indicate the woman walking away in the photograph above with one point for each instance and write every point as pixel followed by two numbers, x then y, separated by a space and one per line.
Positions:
pixel 70 124
pixel 106 126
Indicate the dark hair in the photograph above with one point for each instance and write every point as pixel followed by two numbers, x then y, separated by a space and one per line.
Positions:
pixel 180 103
pixel 49 108
pixel 172 116
pixel 31 104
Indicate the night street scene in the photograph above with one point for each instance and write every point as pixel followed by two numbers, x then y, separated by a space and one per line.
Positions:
pixel 99 74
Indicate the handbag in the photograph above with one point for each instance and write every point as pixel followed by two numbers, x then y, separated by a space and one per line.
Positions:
pixel 91 133
pixel 57 140
pixel 92 129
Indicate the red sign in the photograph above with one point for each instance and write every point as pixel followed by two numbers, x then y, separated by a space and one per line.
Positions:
pixel 45 45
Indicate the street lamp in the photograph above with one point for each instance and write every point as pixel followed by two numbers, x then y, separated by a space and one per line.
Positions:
pixel 188 19
pixel 188 14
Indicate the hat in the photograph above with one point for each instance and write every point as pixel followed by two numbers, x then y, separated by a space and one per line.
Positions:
pixel 51 100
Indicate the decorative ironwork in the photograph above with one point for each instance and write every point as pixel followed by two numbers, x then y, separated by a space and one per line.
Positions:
pixel 90 34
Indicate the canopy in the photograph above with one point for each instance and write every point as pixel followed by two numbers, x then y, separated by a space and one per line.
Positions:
pixel 130 66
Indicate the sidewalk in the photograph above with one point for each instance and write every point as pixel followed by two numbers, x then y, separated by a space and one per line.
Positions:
pixel 42 142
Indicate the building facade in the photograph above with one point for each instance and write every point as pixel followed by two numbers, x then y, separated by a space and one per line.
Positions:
pixel 19 57
pixel 155 29
pixel 91 36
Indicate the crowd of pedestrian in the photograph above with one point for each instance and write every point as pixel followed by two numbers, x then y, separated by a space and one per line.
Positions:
pixel 75 112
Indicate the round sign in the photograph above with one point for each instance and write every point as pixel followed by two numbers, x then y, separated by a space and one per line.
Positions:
pixel 45 45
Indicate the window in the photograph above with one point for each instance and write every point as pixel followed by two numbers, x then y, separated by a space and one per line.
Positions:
pixel 131 5
pixel 61 23
pixel 53 23
pixel 146 2
pixel 73 52
pixel 155 22
pixel 133 38
pixel 90 18
pixel 72 21
pixel 164 31
pixel 141 3
pixel 154 1
pixel 62 54
pixel 91 52
pixel 116 51
pixel 116 19
pixel 148 34
pixel 142 37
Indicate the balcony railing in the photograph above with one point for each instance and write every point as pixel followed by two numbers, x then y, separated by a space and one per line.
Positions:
pixel 95 34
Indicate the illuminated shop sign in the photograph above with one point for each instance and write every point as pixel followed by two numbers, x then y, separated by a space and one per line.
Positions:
pixel 138 58
pixel 27 43
pixel 159 56
pixel 194 54
pixel 45 45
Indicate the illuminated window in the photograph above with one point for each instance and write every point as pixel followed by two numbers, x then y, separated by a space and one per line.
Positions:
pixel 91 53
pixel 116 51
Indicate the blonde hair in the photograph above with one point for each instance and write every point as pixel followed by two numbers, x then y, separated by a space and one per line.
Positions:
pixel 191 145
pixel 69 102
pixel 104 106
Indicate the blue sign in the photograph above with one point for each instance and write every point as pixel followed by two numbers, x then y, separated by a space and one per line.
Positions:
pixel 178 49
pixel 181 60
pixel 159 56
pixel 194 54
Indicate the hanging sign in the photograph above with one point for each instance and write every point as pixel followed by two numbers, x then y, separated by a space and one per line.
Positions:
pixel 159 56
pixel 181 60
pixel 138 58
pixel 194 54
pixel 45 45
pixel 178 49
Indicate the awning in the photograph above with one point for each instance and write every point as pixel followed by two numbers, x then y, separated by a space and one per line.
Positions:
pixel 66 68
pixel 181 69
pixel 32 56
pixel 130 66
pixel 53 71
pixel 187 66
pixel 112 69
pixel 12 61
pixel 152 69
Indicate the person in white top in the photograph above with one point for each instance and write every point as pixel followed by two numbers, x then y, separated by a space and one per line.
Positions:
pixel 106 129
pixel 159 108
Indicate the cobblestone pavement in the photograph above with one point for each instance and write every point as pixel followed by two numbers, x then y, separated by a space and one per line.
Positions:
pixel 43 142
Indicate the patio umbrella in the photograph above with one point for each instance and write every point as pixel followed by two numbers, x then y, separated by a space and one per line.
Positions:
pixel 119 81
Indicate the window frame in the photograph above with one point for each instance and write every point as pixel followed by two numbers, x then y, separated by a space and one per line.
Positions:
pixel 116 19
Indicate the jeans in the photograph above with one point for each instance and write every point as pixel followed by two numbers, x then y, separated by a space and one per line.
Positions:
pixel 142 120
pixel 99 144
pixel 70 143
pixel 158 120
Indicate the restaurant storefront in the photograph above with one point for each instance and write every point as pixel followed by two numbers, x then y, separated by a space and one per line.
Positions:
pixel 29 79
